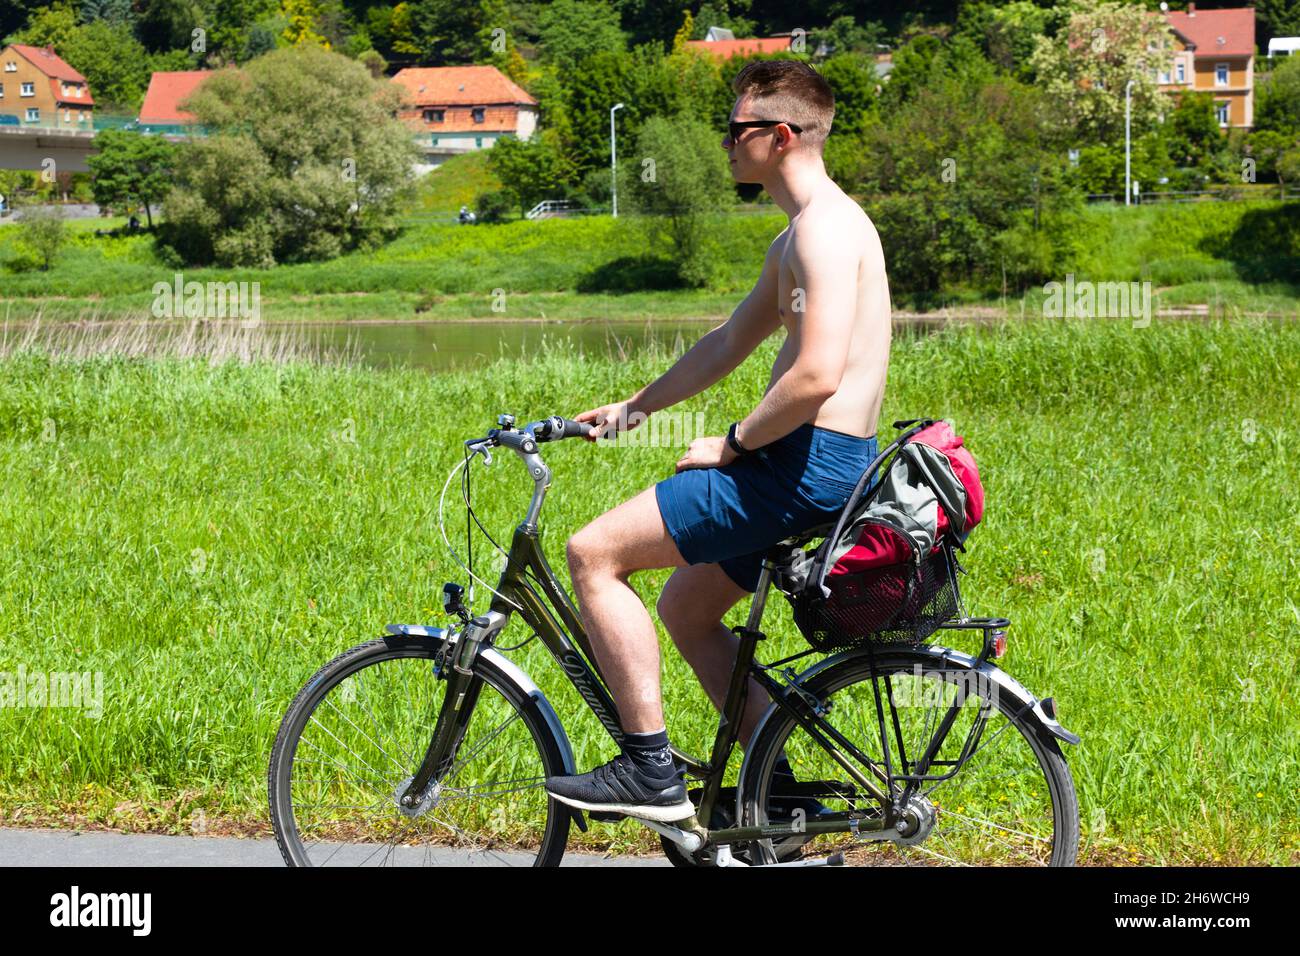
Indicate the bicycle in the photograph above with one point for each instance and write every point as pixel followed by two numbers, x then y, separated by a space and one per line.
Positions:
pixel 470 789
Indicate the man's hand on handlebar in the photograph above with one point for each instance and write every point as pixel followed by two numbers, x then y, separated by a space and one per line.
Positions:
pixel 608 420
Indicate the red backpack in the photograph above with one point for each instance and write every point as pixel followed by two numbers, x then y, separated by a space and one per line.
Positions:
pixel 887 569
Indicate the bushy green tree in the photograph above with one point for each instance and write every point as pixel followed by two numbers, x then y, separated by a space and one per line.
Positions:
pixel 926 60
pixel 953 171
pixel 846 35
pixel 1008 33
pixel 1086 67
pixel 1278 104
pixel 106 53
pixel 571 29
pixel 114 11
pixel 449 32
pixel 678 174
pixel 1272 152
pixel 41 233
pixel 132 168
pixel 531 171
pixel 722 13
pixel 306 162
pixel 1277 18
pixel 852 78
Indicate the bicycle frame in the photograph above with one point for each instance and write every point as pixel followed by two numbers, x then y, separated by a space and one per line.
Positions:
pixel 554 618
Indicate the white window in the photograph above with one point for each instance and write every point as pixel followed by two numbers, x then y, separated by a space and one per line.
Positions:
pixel 11 67
pixel 2 91
pixel 28 89
pixel 33 115
pixel 1222 109
pixel 1164 76
pixel 67 116
pixel 1220 74
pixel 1180 72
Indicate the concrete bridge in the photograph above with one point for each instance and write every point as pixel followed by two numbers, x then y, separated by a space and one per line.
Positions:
pixel 30 145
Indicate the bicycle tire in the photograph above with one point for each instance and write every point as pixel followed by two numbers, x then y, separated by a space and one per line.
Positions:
pixel 857 669
pixel 555 832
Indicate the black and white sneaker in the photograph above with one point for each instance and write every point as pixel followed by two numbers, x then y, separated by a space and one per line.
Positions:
pixel 618 788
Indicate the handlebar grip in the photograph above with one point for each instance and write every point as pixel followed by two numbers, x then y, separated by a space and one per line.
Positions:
pixel 556 428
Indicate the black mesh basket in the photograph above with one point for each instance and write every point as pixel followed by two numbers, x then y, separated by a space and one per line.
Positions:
pixel 902 603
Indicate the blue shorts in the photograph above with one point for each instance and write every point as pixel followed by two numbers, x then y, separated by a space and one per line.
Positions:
pixel 732 515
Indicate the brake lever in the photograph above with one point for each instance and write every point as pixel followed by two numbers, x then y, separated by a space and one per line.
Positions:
pixel 481 448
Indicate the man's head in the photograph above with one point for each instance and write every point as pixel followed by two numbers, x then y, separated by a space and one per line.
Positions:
pixel 788 92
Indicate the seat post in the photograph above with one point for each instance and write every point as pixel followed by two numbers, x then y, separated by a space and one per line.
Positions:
pixel 759 602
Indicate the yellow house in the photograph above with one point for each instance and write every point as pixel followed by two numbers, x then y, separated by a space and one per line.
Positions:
pixel 39 89
pixel 1214 52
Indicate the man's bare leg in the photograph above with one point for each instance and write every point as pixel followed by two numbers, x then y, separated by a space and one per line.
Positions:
pixel 602 556
pixel 692 606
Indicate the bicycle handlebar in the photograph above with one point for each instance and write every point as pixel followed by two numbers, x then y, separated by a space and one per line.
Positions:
pixel 527 438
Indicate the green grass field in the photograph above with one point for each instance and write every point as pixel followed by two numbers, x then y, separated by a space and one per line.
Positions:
pixel 207 536
pixel 597 267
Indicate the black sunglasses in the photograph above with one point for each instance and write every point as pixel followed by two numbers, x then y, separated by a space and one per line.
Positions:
pixel 734 128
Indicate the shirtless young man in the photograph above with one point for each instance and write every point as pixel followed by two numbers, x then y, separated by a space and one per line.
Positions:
pixel 793 462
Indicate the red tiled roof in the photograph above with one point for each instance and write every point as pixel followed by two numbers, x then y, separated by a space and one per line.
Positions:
pixel 460 86
pixel 48 62
pixel 1204 28
pixel 166 92
pixel 724 49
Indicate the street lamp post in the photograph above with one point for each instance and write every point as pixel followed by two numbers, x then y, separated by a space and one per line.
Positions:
pixel 613 155
pixel 1128 142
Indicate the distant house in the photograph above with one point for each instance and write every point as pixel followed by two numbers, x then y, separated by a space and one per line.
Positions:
pixel 463 108
pixel 1285 46
pixel 1214 51
pixel 39 88
pixel 722 44
pixel 161 110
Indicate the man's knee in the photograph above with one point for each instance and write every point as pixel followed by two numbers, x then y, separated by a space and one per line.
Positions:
pixel 581 551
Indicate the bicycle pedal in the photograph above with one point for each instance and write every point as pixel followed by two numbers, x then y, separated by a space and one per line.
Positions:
pixel 606 816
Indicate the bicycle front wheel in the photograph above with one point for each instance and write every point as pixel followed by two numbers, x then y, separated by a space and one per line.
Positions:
pixel 357 732
pixel 1010 802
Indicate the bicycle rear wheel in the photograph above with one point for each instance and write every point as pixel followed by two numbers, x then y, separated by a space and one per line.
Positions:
pixel 355 735
pixel 1011 803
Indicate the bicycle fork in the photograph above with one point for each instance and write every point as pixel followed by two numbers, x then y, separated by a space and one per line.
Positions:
pixel 463 688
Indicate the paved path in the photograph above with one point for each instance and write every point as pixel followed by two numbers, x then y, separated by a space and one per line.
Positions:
pixel 30 847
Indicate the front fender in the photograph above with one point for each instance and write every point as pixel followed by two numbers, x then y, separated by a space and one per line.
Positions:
pixel 508 670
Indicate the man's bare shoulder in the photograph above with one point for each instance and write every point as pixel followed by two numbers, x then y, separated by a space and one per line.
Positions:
pixel 833 227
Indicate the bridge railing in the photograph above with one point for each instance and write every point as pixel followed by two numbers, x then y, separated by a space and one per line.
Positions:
pixel 98 123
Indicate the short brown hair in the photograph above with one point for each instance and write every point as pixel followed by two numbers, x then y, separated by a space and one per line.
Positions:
pixel 791 91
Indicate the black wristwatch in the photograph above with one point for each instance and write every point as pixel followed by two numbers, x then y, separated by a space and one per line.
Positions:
pixel 735 444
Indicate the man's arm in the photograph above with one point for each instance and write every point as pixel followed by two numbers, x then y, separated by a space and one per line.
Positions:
pixel 719 351
pixel 825 272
